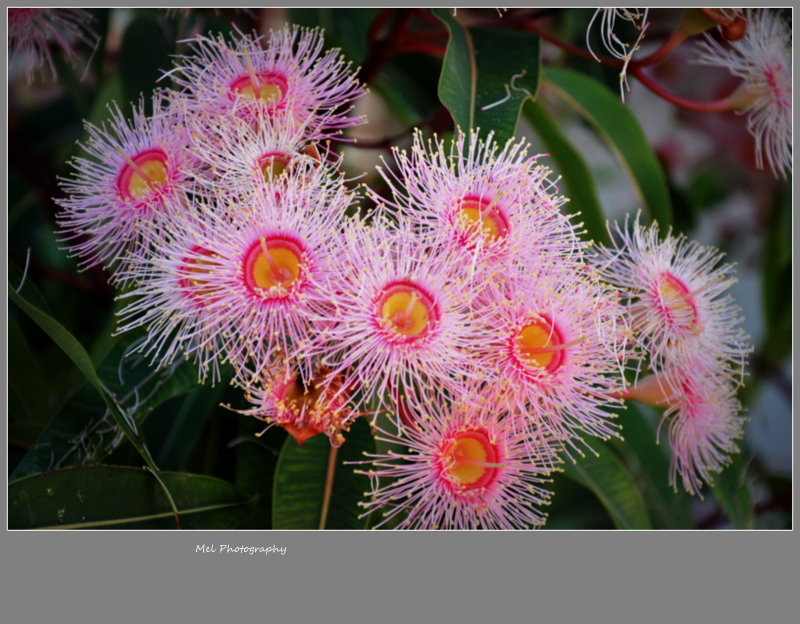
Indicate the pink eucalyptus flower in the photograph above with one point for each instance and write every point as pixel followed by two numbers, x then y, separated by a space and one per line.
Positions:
pixel 763 59
pixel 32 31
pixel 494 206
pixel 291 78
pixel 674 291
pixel 466 468
pixel 137 173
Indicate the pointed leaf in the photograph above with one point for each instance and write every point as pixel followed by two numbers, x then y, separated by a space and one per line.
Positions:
pixel 487 75
pixel 80 433
pixel 609 480
pixel 621 131
pixel 143 56
pixel 78 355
pixel 503 58
pixel 458 81
pixel 298 496
pixel 113 497
pixel 25 378
pixel 650 467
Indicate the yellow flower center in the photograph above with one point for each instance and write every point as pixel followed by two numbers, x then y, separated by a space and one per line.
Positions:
pixel 483 219
pixel 470 460
pixel 271 263
pixel 407 310
pixel 142 174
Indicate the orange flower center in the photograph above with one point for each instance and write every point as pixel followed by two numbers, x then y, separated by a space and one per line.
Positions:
pixel 273 165
pixel 273 263
pixel 539 345
pixel 471 460
pixel 483 219
pixel 264 86
pixel 407 310
pixel 196 272
pixel 676 301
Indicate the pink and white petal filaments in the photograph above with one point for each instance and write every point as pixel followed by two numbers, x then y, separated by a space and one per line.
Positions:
pixel 495 206
pixel 276 260
pixel 555 349
pixel 237 153
pixel 675 292
pixel 466 468
pixel 704 424
pixel 763 60
pixel 31 31
pixel 290 77
pixel 402 320
pixel 137 173
pixel 172 291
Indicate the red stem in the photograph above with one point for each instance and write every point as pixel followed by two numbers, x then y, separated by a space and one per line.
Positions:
pixel 675 39
pixel 714 106
pixel 408 47
pixel 547 36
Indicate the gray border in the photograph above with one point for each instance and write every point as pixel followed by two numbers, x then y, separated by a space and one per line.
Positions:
pixel 546 577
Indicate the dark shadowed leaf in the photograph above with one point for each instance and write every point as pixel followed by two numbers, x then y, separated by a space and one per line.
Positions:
pixel 609 480
pixel 113 497
pixel 300 482
pixel 650 468
pixel 144 56
pixel 732 490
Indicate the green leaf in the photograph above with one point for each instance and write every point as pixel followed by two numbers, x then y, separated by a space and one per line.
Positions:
pixel 609 480
pixel 26 288
pixel 650 468
pixel 458 82
pixel 619 128
pixel 298 496
pixel 731 489
pixel 484 66
pixel 345 28
pixel 503 58
pixel 78 355
pixel 255 469
pixel 80 434
pixel 113 497
pixel 575 172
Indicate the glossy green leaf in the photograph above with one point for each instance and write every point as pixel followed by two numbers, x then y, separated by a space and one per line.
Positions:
pixel 344 27
pixel 619 128
pixel 458 82
pixel 299 490
pixel 80 433
pixel 113 497
pixel 650 468
pixel 610 481
pixel 504 58
pixel 580 186
pixel 731 489
pixel 487 75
